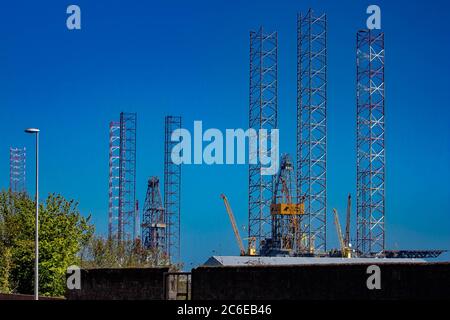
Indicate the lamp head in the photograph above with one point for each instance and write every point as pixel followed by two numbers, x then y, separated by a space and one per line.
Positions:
pixel 32 130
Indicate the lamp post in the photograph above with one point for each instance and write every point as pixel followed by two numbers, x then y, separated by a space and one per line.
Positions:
pixel 36 131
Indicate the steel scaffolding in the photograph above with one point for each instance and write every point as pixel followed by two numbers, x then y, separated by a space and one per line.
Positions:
pixel 114 155
pixel 312 128
pixel 172 191
pixel 17 169
pixel 263 114
pixel 122 178
pixel 127 177
pixel 154 222
pixel 370 184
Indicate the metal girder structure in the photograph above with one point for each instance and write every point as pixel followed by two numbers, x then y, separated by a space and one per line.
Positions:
pixel 122 212
pixel 114 156
pixel 172 192
pixel 263 114
pixel 285 228
pixel 127 177
pixel 312 129
pixel 370 143
pixel 154 222
pixel 17 169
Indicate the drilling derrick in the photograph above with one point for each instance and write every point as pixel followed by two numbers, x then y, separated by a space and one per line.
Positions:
pixel 17 169
pixel 370 173
pixel 172 191
pixel 312 128
pixel 263 114
pixel 154 224
pixel 286 237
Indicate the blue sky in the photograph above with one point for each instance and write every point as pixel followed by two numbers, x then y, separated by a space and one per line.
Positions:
pixel 191 58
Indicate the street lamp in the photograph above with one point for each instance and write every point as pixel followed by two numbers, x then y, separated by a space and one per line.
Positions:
pixel 36 131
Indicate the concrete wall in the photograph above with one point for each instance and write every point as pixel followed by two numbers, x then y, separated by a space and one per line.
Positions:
pixel 398 281
pixel 120 284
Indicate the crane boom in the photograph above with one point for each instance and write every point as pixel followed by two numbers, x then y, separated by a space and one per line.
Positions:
pixel 338 230
pixel 347 227
pixel 233 224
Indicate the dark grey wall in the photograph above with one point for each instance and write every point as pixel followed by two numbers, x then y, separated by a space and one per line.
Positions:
pixel 25 297
pixel 398 281
pixel 120 284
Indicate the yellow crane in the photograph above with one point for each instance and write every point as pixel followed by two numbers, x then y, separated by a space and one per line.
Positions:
pixel 252 248
pixel 345 250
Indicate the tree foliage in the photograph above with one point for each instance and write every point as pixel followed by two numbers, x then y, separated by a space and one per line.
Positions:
pixel 110 253
pixel 63 233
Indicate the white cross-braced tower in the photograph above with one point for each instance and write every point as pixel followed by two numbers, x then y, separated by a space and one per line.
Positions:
pixel 370 143
pixel 312 129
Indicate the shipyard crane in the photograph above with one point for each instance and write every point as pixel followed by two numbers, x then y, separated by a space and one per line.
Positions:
pixel 345 250
pixel 347 227
pixel 251 241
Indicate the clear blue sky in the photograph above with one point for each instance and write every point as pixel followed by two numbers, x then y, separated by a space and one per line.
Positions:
pixel 191 58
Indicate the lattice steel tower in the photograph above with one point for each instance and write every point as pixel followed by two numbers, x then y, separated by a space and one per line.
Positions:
pixel 263 114
pixel 114 156
pixel 154 222
pixel 370 185
pixel 17 169
pixel 127 174
pixel 312 128
pixel 172 191
pixel 122 178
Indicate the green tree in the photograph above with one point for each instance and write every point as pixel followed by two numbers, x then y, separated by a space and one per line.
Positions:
pixel 5 269
pixel 63 233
